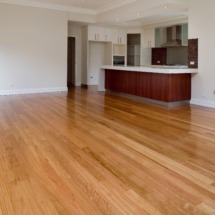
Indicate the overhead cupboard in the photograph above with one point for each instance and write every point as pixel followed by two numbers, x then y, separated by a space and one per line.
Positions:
pixel 95 33
pixel 114 35
pixel 119 36
pixel 155 37
pixel 149 38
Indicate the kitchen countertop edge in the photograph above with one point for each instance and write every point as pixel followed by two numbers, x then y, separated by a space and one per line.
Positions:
pixel 152 70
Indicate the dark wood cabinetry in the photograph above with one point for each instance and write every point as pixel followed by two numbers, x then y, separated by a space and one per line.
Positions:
pixel 156 86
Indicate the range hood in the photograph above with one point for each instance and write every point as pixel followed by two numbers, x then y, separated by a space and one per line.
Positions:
pixel 173 37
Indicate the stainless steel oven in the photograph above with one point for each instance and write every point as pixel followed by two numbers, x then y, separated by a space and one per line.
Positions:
pixel 119 60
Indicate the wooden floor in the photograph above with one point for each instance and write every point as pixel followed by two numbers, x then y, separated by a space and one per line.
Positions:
pixel 87 152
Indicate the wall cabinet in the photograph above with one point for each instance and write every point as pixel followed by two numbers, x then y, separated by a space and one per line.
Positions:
pixel 149 38
pixel 119 36
pixel 115 35
pixel 185 35
pixel 160 36
pixel 157 37
pixel 96 33
pixel 108 34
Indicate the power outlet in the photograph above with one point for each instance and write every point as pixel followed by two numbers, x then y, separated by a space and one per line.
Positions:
pixel 158 61
pixel 192 63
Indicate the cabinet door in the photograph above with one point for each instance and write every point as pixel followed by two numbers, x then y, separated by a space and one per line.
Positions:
pixel 157 37
pixel 115 36
pixel 100 34
pixel 92 33
pixel 146 38
pixel 108 34
pixel 185 35
pixel 123 36
pixel 163 35
pixel 152 38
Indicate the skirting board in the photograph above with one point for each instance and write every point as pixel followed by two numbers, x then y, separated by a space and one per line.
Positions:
pixel 33 91
pixel 203 103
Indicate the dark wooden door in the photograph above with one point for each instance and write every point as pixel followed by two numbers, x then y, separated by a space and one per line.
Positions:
pixel 71 61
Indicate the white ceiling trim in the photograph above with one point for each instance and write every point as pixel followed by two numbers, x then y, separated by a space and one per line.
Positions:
pixel 49 6
pixel 31 3
pixel 114 5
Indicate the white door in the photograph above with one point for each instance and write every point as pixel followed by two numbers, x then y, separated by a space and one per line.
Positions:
pixel 115 35
pixel 100 34
pixel 123 36
pixel 108 34
pixel 92 33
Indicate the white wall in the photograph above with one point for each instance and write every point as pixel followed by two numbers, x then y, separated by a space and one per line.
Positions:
pixel 201 26
pixel 33 47
pixel 84 55
pixel 76 31
pixel 99 54
pixel 81 17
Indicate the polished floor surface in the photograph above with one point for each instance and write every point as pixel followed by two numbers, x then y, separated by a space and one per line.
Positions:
pixel 89 152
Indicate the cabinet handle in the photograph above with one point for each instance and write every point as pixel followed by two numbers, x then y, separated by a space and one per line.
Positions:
pixel 150 43
pixel 95 36
pixel 98 36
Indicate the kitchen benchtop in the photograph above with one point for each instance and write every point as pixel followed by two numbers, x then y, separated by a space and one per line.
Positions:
pixel 153 69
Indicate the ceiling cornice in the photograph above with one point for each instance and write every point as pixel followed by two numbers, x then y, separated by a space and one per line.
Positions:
pixel 49 6
pixel 31 3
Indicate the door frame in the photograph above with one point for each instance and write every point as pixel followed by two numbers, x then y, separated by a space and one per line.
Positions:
pixel 76 67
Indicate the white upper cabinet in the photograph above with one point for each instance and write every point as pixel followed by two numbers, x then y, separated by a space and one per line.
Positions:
pixel 115 35
pixel 96 33
pixel 149 38
pixel 108 34
pixel 123 36
pixel 119 36
pixel 100 34
pixel 92 34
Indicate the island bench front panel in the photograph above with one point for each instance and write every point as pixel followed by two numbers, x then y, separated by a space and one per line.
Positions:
pixel 156 86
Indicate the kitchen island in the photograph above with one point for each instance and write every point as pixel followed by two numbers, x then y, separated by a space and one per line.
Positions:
pixel 166 85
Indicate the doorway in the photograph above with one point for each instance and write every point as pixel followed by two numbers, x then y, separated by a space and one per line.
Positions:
pixel 71 62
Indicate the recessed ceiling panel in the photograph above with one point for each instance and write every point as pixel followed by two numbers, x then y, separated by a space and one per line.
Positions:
pixel 88 4
pixel 158 17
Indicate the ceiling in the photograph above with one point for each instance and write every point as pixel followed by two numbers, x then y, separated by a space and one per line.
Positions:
pixel 87 4
pixel 106 12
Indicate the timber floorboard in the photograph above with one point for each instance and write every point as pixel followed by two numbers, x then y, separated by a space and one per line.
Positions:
pixel 90 152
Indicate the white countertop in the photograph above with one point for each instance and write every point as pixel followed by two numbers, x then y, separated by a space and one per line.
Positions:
pixel 153 69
